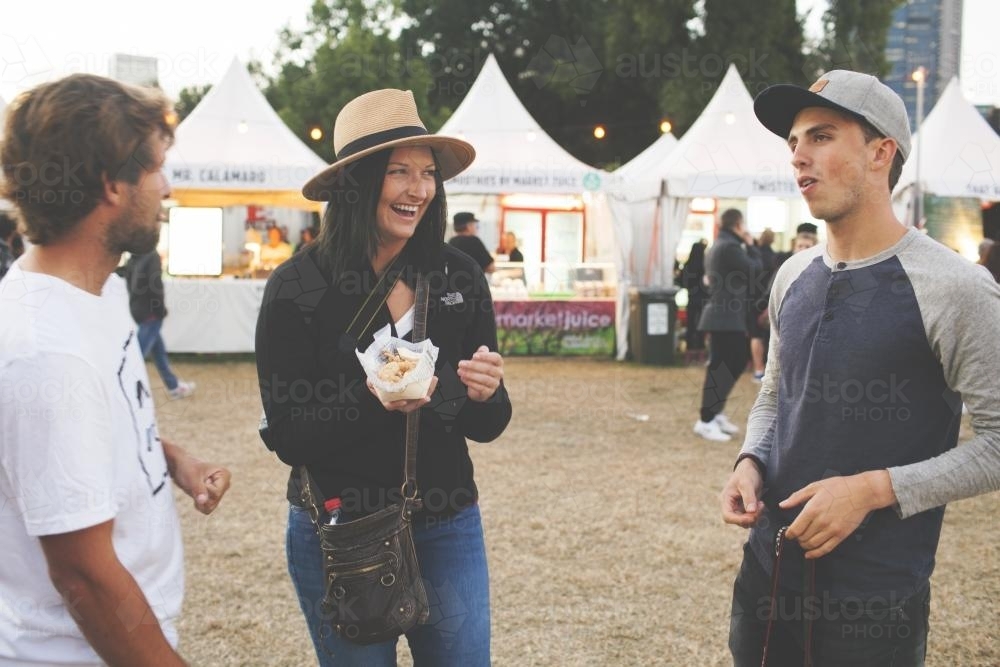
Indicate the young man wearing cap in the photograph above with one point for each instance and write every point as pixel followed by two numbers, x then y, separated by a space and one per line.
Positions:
pixel 465 239
pixel 877 337
pixel 93 569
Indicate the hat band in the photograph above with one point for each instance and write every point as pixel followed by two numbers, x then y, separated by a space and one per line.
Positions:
pixel 378 138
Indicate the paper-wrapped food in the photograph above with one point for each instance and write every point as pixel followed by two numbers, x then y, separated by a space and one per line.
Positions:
pixel 399 369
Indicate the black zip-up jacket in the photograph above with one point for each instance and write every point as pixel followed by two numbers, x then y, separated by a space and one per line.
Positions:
pixel 320 412
pixel 144 276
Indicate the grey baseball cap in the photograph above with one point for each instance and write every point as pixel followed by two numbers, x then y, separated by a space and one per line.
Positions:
pixel 859 95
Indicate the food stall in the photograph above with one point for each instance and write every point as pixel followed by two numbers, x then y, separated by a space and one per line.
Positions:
pixel 235 170
pixel 561 298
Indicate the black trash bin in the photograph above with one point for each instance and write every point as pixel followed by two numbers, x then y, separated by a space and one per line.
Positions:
pixel 652 329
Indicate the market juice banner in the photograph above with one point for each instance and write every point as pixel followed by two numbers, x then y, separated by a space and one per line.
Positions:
pixel 556 327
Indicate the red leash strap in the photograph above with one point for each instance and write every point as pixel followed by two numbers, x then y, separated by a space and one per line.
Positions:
pixel 809 589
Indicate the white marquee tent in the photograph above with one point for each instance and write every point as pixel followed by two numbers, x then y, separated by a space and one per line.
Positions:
pixel 642 178
pixel 514 156
pixel 959 151
pixel 513 153
pixel 726 153
pixel 234 150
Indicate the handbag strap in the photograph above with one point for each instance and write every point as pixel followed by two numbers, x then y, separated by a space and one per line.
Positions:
pixel 373 302
pixel 413 418
pixel 808 589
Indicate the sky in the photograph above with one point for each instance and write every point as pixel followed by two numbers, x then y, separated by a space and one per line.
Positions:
pixel 197 39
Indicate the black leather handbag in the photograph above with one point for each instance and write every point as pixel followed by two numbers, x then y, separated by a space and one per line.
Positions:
pixel 373 590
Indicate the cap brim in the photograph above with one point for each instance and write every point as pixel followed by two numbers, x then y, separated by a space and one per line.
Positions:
pixel 453 157
pixel 777 106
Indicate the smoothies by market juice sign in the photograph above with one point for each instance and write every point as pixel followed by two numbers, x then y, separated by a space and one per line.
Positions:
pixel 556 327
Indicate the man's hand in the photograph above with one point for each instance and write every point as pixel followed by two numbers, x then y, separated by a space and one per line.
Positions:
pixel 740 504
pixel 481 374
pixel 835 507
pixel 205 482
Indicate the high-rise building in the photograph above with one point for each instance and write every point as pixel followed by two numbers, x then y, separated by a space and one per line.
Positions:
pixel 136 70
pixel 924 33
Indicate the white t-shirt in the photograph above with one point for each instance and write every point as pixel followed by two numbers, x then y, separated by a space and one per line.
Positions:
pixel 78 447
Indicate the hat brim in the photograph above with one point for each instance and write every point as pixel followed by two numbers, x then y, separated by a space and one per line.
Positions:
pixel 777 106
pixel 453 157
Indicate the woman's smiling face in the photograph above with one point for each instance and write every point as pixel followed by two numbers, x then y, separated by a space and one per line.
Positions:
pixel 408 189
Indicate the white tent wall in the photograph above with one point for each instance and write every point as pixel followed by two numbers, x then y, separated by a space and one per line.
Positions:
pixel 726 154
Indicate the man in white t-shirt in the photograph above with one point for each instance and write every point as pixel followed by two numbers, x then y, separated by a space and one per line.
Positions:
pixel 92 557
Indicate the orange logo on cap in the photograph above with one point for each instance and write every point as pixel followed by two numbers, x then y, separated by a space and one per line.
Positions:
pixel 818 86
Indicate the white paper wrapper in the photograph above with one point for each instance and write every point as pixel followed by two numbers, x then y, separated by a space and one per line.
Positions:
pixel 415 382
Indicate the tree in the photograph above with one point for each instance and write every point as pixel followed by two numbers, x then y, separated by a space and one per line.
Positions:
pixel 763 40
pixel 855 37
pixel 188 99
pixel 345 50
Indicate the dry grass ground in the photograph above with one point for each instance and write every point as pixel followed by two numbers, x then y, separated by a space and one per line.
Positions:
pixel 603 530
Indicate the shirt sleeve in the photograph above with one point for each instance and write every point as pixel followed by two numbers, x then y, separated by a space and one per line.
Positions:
pixel 56 452
pixel 306 412
pixel 962 319
pixel 764 414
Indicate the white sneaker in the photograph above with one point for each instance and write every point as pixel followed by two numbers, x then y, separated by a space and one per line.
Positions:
pixel 726 426
pixel 182 390
pixel 710 431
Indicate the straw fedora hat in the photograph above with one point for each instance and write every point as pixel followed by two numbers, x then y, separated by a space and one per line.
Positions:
pixel 378 120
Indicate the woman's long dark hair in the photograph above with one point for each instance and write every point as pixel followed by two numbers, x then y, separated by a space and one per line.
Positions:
pixel 349 233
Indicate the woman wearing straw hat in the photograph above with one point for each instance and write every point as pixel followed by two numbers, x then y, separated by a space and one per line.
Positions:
pixel 386 212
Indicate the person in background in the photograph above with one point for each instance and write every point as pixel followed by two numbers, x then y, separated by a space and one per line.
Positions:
pixel 93 568
pixel 8 229
pixel 276 250
pixel 758 295
pixel 731 267
pixel 508 246
pixel 306 236
pixel 850 457
pixel 805 233
pixel 144 278
pixel 465 239
pixel 387 215
pixel 692 279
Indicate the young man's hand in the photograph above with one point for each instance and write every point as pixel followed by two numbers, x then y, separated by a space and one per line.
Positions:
pixel 740 497
pixel 205 482
pixel 835 507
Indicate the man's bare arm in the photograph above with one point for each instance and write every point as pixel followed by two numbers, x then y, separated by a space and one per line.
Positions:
pixel 104 599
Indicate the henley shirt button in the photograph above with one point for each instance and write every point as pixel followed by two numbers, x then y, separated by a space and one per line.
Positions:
pixel 841 265
pixel 828 317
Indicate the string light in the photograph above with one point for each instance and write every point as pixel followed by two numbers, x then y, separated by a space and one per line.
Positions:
pixel 600 132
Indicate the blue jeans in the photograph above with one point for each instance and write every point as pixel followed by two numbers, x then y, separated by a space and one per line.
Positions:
pixel 150 341
pixel 845 633
pixel 452 559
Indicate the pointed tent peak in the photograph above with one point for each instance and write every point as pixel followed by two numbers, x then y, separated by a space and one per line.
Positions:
pixel 645 164
pixel 491 104
pixel 236 88
pixel 953 113
pixel 234 139
pixel 732 94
